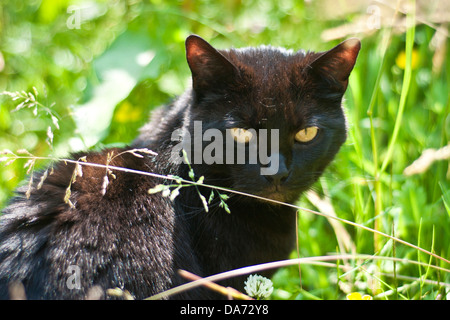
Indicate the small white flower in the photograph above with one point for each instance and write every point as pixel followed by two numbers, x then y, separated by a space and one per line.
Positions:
pixel 258 287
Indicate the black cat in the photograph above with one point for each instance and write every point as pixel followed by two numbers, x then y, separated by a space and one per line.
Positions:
pixel 111 232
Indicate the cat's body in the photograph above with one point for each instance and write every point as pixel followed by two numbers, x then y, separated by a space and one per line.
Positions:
pixel 116 234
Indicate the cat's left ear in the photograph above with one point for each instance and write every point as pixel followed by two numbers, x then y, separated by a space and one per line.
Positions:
pixel 337 63
pixel 210 69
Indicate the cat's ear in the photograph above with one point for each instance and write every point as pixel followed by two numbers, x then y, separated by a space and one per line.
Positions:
pixel 210 69
pixel 337 63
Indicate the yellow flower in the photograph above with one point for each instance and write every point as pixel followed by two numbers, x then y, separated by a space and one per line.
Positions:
pixel 126 112
pixel 358 296
pixel 400 61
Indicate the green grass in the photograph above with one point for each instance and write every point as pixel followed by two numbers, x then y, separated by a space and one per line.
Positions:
pixel 397 108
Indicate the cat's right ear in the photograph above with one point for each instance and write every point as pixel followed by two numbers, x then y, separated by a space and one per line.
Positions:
pixel 337 63
pixel 210 69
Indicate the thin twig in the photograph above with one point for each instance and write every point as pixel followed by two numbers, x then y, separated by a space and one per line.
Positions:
pixel 161 176
pixel 274 265
pixel 226 291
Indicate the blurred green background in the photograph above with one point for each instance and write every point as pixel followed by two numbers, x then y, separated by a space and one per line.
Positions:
pixel 99 68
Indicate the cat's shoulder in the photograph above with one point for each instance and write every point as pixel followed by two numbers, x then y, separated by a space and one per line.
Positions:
pixel 87 182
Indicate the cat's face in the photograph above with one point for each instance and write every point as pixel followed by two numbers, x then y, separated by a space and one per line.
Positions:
pixel 280 109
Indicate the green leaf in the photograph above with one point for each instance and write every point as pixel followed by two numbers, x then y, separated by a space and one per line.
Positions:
pixel 191 174
pixel 205 204
pixel 177 179
pixel 174 193
pixel 223 205
pixel 224 196
pixel 211 197
pixel 158 188
pixel 226 208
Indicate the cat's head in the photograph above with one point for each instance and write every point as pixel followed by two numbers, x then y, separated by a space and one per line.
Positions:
pixel 282 109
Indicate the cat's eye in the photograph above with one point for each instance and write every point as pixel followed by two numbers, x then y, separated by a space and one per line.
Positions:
pixel 241 135
pixel 307 135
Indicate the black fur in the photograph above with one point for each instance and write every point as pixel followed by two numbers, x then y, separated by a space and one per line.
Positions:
pixel 124 237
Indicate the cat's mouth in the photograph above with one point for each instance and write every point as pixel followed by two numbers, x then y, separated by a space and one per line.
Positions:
pixel 278 196
pixel 279 193
pixel 285 191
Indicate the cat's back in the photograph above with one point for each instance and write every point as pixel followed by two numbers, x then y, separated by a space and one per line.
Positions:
pixel 88 223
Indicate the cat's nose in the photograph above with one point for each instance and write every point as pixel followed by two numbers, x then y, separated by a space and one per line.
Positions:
pixel 281 175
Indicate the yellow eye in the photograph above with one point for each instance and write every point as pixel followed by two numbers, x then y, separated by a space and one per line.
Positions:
pixel 241 135
pixel 307 134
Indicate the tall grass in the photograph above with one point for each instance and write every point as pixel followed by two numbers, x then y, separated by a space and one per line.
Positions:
pixel 366 183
